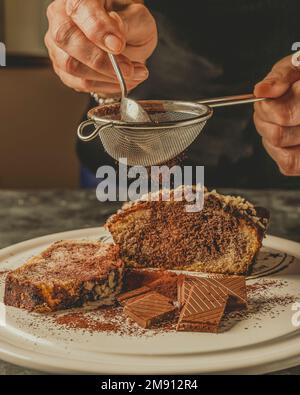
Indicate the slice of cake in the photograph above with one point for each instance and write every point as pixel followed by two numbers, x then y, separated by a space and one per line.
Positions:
pixel 224 237
pixel 67 274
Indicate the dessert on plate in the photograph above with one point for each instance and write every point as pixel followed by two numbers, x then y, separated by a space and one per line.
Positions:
pixel 67 274
pixel 199 306
pixel 221 239
pixel 224 237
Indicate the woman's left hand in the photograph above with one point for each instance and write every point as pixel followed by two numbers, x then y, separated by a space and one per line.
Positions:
pixel 278 120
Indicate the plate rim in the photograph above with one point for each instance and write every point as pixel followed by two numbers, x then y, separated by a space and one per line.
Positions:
pixel 43 362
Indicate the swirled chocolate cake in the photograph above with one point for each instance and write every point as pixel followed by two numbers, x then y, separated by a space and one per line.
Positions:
pixel 223 237
pixel 67 274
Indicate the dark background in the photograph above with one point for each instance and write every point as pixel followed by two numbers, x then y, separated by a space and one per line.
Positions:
pixel 215 48
pixel 206 49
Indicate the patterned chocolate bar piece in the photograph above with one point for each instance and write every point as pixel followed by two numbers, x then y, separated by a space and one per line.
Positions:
pixel 203 309
pixel 233 286
pixel 130 296
pixel 150 309
pixel 236 288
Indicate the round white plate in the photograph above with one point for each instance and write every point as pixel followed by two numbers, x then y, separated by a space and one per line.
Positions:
pixel 262 342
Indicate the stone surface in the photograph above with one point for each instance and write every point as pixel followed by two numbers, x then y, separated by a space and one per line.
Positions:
pixel 28 214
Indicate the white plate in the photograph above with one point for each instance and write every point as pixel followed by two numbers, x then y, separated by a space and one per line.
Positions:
pixel 249 347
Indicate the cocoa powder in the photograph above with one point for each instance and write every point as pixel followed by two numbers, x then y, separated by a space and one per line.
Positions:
pixel 81 321
pixel 262 297
pixel 105 319
pixel 263 302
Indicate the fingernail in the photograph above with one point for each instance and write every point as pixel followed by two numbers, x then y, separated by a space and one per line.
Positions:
pixel 140 73
pixel 113 43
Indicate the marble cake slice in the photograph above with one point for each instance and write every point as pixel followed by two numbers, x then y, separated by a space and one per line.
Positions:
pixel 67 274
pixel 224 237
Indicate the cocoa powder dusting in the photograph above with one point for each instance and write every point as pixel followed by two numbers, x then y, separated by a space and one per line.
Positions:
pixel 105 319
pixel 266 298
pixel 83 321
pixel 110 320
pixel 263 301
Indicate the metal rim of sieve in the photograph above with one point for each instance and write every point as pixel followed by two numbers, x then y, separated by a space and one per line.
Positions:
pixel 161 139
pixel 198 112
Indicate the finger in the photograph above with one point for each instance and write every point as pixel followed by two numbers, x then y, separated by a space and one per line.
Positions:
pixel 287 159
pixel 283 75
pixel 86 85
pixel 83 85
pixel 140 32
pixel 72 66
pixel 101 28
pixel 284 111
pixel 277 135
pixel 71 40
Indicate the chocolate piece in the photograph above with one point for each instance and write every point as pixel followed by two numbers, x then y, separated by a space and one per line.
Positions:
pixel 233 286
pixel 137 278
pixel 196 327
pixel 182 292
pixel 161 281
pixel 236 288
pixel 203 309
pixel 149 309
pixel 165 285
pixel 130 296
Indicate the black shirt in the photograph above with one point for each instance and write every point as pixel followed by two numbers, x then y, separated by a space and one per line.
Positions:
pixel 215 48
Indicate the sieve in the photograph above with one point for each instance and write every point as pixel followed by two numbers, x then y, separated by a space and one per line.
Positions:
pixel 174 126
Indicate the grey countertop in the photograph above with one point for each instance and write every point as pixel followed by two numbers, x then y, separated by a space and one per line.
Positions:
pixel 28 214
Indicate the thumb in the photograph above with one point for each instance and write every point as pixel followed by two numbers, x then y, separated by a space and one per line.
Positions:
pixel 279 80
pixel 271 87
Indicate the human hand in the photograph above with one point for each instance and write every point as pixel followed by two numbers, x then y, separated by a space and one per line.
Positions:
pixel 278 120
pixel 80 34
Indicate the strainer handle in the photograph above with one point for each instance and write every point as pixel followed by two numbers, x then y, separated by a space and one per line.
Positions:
pixel 93 134
pixel 230 100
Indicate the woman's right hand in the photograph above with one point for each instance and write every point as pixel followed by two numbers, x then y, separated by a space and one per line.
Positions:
pixel 80 34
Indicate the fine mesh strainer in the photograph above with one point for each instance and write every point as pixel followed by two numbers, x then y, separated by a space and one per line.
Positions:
pixel 174 126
